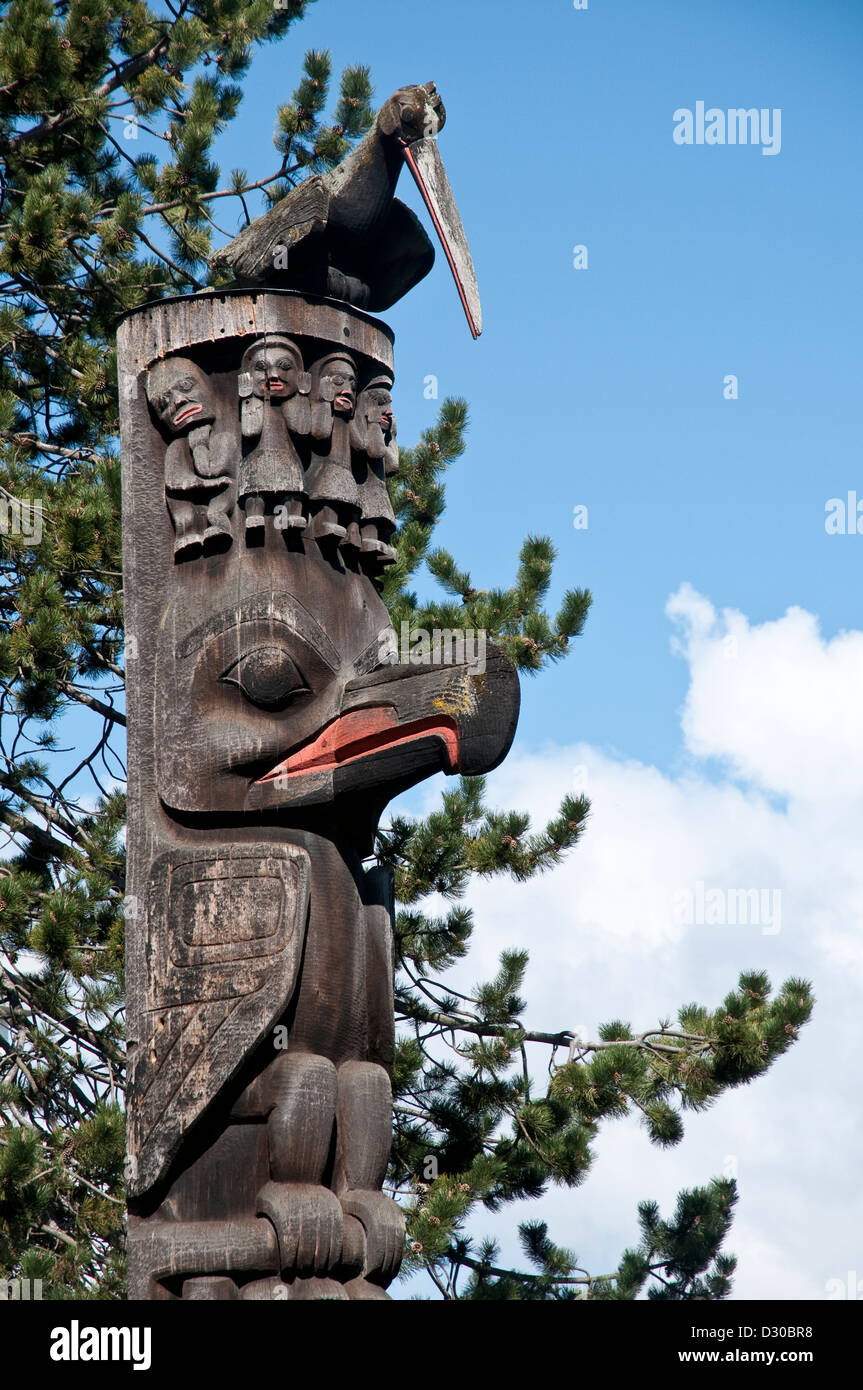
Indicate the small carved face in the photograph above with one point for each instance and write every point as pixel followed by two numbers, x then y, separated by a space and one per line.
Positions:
pixel 274 370
pixel 378 405
pixel 179 393
pixel 343 374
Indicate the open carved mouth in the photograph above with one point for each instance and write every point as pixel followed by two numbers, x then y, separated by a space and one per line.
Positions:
pixel 187 413
pixel 362 732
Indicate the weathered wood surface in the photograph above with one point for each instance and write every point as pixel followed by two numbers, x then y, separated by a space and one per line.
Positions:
pixel 344 233
pixel 269 724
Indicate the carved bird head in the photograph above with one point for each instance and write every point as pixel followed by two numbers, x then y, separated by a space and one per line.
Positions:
pixel 289 698
pixel 412 113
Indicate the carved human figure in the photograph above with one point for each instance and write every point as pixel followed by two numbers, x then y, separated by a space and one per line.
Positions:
pixel 197 459
pixel 376 457
pixel 274 395
pixel 374 427
pixel 332 489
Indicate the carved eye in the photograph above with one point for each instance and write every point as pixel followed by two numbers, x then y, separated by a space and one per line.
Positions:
pixel 268 677
pixel 409 115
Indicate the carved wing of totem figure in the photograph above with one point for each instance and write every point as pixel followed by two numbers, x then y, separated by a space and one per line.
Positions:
pixel 270 722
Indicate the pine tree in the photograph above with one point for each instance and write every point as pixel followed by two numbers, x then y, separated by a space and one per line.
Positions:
pixel 90 229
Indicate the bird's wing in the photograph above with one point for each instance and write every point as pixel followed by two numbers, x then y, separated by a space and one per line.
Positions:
pixel 400 257
pixel 225 933
pixel 302 214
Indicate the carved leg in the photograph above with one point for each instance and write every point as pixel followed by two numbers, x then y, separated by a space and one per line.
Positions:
pixel 186 518
pixel 299 1092
pixel 371 542
pixel 348 287
pixel 364 1131
pixel 326 525
pixel 375 550
pixel 218 516
pixel 254 508
pixel 291 515
pixel 353 539
pixel 161 1250
pixel 211 1288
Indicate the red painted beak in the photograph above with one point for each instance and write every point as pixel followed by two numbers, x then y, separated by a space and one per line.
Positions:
pixel 359 733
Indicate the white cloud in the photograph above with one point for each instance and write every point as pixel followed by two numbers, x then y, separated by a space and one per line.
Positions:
pixel 779 706
pixel 775 700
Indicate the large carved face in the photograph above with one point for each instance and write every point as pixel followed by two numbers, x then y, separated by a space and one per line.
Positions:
pixel 179 393
pixel 273 366
pixel 266 708
pixel 340 373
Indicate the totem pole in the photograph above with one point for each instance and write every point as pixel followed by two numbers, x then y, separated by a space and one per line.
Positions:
pixel 270 722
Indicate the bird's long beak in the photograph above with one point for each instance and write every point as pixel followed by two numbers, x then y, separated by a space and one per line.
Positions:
pixel 423 159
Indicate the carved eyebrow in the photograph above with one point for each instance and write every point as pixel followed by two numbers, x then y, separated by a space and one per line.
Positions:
pixel 371 659
pixel 277 608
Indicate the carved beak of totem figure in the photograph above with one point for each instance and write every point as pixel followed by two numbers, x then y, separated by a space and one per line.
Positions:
pixel 397 726
pixel 422 157
pixel 269 714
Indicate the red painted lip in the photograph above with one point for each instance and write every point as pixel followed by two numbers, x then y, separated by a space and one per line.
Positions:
pixel 359 733
pixel 273 384
pixel 186 413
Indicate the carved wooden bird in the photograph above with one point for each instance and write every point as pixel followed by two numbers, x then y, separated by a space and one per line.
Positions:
pixel 346 235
